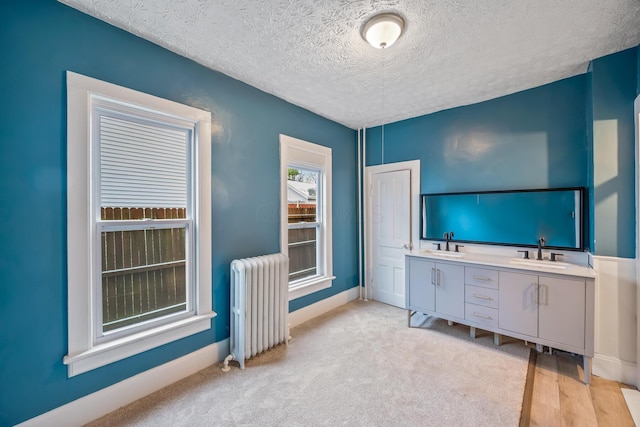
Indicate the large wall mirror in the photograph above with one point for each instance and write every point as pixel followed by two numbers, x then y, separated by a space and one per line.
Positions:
pixel 517 218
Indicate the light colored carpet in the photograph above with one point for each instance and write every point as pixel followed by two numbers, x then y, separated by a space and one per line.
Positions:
pixel 357 365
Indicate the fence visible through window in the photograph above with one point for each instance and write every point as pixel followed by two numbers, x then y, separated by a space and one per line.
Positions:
pixel 302 242
pixel 143 271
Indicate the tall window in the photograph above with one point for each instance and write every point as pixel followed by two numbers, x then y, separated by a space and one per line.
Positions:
pixel 144 167
pixel 306 215
pixel 138 222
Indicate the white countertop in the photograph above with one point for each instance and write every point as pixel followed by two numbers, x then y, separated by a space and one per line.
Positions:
pixel 531 265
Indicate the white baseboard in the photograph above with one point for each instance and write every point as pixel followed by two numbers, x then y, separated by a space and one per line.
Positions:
pixel 95 405
pixel 314 310
pixel 614 369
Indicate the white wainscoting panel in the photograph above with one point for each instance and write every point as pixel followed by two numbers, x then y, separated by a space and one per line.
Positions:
pixel 615 319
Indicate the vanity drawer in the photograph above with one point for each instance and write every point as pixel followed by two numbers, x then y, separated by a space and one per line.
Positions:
pixel 481 315
pixel 481 277
pixel 481 296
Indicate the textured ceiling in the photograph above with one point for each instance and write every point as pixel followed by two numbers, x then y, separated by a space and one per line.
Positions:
pixel 453 52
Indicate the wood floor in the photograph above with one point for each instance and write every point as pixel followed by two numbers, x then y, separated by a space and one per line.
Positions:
pixel 555 395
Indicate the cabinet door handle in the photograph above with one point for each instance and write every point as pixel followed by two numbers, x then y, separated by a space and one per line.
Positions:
pixel 482 297
pixel 438 277
pixel 545 294
pixel 482 316
pixel 433 275
pixel 535 293
pixel 482 278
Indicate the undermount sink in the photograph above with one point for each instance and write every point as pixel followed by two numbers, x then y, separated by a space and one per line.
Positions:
pixel 541 263
pixel 447 254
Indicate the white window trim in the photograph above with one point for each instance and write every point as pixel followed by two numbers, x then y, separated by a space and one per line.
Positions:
pixel 312 156
pixel 83 353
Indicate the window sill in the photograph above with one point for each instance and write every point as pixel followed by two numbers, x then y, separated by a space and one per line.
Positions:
pixel 310 286
pixel 103 354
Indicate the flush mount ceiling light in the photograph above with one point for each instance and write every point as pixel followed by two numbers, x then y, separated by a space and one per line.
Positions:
pixel 383 30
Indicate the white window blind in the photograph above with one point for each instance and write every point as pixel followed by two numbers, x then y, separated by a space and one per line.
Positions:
pixel 142 164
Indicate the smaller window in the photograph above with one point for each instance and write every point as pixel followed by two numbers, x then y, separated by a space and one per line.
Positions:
pixel 305 224
pixel 306 215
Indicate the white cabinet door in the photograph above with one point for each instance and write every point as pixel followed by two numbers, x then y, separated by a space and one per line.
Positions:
pixel 450 290
pixel 562 308
pixel 518 309
pixel 421 284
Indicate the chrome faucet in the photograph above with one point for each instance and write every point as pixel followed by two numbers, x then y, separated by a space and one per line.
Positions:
pixel 447 237
pixel 540 245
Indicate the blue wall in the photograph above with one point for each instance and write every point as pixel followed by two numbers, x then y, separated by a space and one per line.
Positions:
pixel 574 132
pixel 531 139
pixel 613 90
pixel 39 41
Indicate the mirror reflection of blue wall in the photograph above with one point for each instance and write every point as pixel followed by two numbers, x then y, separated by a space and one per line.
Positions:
pixel 516 218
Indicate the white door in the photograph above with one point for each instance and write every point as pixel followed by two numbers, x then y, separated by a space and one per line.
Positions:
pixel 391 234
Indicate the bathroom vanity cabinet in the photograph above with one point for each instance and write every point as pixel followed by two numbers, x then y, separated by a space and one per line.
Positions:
pixel 444 292
pixel 547 306
pixel 543 307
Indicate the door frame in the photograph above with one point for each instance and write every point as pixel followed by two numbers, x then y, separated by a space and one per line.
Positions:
pixel 636 115
pixel 414 167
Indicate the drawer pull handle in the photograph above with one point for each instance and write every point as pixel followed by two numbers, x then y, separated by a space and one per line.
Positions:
pixel 482 316
pixel 483 278
pixel 482 297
